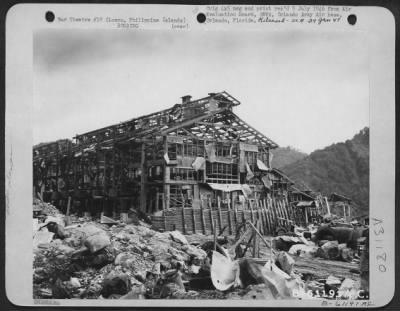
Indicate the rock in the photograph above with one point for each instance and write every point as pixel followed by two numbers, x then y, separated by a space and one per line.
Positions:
pixel 60 291
pixel 178 237
pixel 99 259
pixel 178 254
pixel 194 269
pixel 330 250
pixel 304 251
pixel 97 242
pixel 116 283
pixel 171 289
pixel 258 291
pixel 126 260
pixel 58 219
pixel 74 282
pixel 347 254
pixel 156 270
pixel 90 229
pixel 284 243
pixel 57 229
pixel 284 262
pixel 194 251
pixel 140 276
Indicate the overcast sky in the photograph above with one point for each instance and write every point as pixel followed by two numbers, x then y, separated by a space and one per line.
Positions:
pixel 303 89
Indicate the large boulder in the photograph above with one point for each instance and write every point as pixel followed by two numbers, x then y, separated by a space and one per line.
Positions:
pixel 285 262
pixel 178 237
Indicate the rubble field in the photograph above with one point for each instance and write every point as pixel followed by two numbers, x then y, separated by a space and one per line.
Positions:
pixel 86 259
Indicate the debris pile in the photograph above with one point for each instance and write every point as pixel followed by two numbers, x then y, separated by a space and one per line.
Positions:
pixel 43 208
pixel 95 261
pixel 114 260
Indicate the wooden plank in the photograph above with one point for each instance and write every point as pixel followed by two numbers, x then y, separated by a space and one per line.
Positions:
pixel 213 229
pixel 229 222
pixel 259 219
pixel 194 221
pixel 277 216
pixel 284 207
pixel 284 222
pixel 183 221
pixel 244 218
pixel 272 214
pixel 269 222
pixel 279 211
pixel 219 218
pixel 236 218
pixel 143 178
pixel 157 205
pixel 203 222
pixel 256 242
pixel 251 211
pixel 264 219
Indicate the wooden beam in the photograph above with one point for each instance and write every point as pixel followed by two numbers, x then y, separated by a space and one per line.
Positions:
pixel 191 121
pixel 143 179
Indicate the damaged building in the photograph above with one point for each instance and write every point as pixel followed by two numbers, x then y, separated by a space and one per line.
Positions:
pixel 198 154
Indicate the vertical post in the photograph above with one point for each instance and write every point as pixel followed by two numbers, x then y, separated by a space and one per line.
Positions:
pixel 67 218
pixel 256 240
pixel 143 178
pixel 202 217
pixel 157 200
pixel 183 220
pixel 166 173
pixel 230 221
pixel 219 217
pixel 236 218
pixel 215 237
pixel 194 221
pixel 213 229
pixel 104 173
pixel 163 201
pixel 327 206
pixel 306 216
pixel 251 211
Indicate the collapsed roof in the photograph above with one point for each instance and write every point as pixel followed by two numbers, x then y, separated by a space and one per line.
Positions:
pixel 210 117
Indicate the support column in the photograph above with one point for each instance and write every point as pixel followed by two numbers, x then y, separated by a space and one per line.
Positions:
pixel 166 172
pixel 143 179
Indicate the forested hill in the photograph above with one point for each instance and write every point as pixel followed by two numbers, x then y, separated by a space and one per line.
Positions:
pixel 283 156
pixel 342 168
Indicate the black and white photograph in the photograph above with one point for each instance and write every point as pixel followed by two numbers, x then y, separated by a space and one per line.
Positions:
pixel 218 164
pixel 206 165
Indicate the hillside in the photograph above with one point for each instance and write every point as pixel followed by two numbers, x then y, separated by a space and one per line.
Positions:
pixel 284 156
pixel 342 168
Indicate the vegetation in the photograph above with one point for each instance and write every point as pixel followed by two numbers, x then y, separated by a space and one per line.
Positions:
pixel 342 168
pixel 283 156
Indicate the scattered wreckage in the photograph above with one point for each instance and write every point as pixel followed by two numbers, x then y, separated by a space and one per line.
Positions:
pixel 77 258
